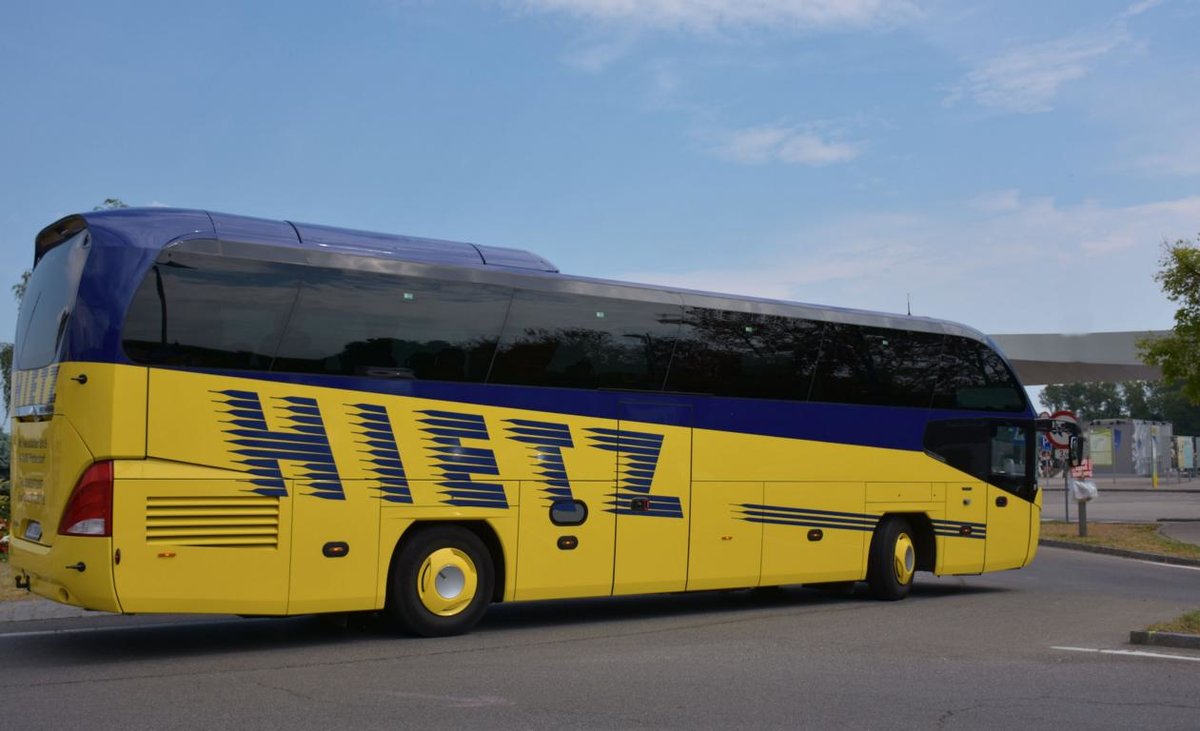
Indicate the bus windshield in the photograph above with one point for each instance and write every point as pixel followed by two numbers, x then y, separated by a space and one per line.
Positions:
pixel 47 304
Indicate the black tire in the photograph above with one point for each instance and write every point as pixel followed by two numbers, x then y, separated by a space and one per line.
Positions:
pixel 893 559
pixel 441 581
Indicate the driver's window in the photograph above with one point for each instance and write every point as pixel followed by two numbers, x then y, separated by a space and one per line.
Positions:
pixel 1008 451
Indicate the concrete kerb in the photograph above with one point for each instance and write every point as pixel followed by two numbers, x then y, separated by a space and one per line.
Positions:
pixel 1164 639
pixel 1123 553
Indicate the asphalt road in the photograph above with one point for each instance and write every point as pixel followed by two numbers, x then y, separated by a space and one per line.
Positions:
pixel 977 652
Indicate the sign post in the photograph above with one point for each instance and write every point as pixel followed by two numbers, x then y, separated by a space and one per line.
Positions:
pixel 1061 440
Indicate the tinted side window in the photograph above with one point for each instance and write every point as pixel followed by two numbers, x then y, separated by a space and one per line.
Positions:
pixel 973 376
pixel 363 324
pixel 208 312
pixel 745 354
pixel 994 451
pixel 960 444
pixel 559 339
pixel 868 365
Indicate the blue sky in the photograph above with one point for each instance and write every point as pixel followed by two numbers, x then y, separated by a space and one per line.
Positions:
pixel 1012 165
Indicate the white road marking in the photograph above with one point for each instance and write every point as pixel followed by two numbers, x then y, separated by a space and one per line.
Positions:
pixel 1131 653
pixel 1171 565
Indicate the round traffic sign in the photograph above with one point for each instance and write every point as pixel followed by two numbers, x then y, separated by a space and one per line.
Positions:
pixel 1062 438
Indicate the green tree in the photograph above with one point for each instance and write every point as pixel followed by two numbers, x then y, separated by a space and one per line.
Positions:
pixel 1087 400
pixel 1178 354
pixel 1141 399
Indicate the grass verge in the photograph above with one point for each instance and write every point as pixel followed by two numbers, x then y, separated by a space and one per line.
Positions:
pixel 1184 624
pixel 9 592
pixel 1128 536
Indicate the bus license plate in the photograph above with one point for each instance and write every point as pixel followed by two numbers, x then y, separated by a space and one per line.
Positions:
pixel 33 531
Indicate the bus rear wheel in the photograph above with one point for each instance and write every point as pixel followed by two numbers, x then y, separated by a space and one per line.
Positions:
pixel 893 559
pixel 441 581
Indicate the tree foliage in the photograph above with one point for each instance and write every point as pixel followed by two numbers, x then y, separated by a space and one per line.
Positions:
pixel 1178 354
pixel 1087 400
pixel 1149 400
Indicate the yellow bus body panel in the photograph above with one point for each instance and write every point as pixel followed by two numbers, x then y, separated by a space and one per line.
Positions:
pixel 267 497
pixel 725 553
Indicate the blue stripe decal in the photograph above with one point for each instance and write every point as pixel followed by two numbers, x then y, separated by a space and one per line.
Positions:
pixel 546 441
pixel 261 450
pixel 637 460
pixel 805 518
pixel 869 426
pixel 660 506
pixel 381 452
pixel 959 529
pixel 459 464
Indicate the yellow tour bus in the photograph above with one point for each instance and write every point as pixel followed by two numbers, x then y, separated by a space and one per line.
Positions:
pixel 222 414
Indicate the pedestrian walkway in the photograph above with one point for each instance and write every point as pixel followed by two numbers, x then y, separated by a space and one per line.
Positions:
pixel 1184 532
pixel 1125 483
pixel 25 610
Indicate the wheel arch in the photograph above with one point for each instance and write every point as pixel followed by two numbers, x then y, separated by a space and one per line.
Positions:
pixel 923 537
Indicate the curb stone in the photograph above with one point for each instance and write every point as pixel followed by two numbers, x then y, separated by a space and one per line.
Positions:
pixel 1121 552
pixel 1164 639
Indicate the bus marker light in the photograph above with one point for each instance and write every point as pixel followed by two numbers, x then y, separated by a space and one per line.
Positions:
pixel 335 549
pixel 816 534
pixel 568 543
pixel 167 554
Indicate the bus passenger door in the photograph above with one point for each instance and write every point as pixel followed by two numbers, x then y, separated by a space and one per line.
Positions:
pixel 653 497
pixel 1009 516
pixel 1008 524
pixel 960 538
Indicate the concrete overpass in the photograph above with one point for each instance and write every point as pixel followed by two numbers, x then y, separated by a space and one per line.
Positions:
pixel 1042 359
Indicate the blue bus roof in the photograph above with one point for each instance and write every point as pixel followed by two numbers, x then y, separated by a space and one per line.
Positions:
pixel 151 228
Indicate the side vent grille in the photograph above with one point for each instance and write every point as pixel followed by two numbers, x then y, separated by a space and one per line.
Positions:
pixel 237 521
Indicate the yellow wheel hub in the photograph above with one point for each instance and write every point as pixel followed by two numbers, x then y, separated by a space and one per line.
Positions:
pixel 447 581
pixel 904 560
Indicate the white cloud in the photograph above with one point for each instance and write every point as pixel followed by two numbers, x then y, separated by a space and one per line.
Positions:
pixel 711 15
pixel 1026 79
pixel 1029 265
pixel 1139 7
pixel 596 57
pixel 781 143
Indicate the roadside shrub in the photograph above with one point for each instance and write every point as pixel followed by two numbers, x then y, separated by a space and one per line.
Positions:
pixel 5 501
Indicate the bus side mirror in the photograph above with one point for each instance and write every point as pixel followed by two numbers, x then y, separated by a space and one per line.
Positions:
pixel 1076 450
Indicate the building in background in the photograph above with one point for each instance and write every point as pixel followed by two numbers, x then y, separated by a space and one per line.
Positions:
pixel 1130 446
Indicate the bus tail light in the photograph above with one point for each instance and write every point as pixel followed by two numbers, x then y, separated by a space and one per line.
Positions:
pixel 89 510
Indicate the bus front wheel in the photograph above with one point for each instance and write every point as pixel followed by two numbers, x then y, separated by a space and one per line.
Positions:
pixel 893 559
pixel 441 581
